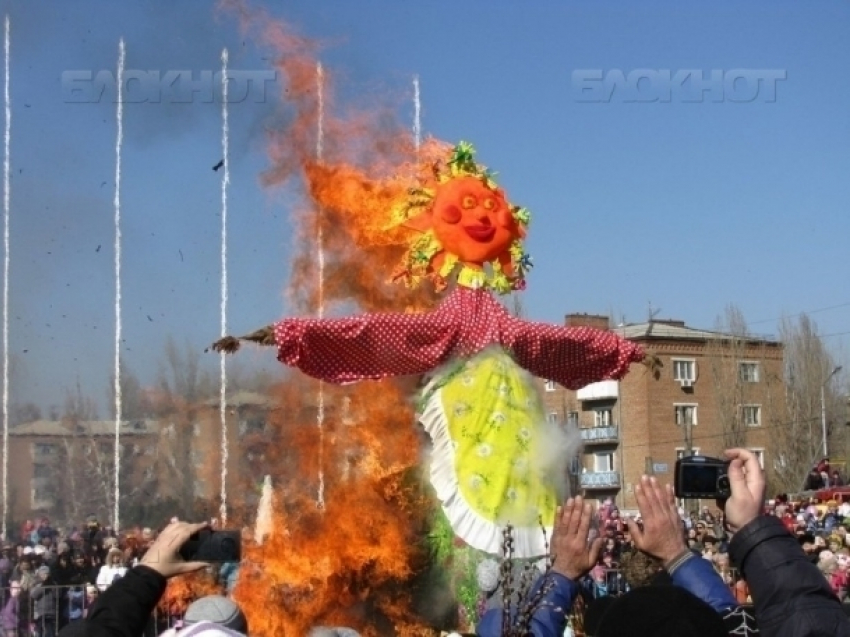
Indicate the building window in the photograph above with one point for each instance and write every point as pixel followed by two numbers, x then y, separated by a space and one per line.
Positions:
pixel 41 496
pixel 572 419
pixel 45 449
pixel 603 462
pixel 686 415
pixel 684 369
pixel 751 415
pixel 759 454
pixel 748 372
pixel 552 417
pixel 41 471
pixel 680 452
pixel 602 418
pixel 550 385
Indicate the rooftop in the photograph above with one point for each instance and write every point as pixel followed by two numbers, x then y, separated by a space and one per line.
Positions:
pixel 670 329
pixel 242 399
pixel 86 428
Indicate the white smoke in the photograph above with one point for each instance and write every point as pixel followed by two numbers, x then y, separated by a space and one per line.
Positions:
pixel 265 523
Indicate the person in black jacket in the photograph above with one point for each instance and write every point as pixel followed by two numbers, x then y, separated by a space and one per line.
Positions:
pixel 791 596
pixel 124 609
pixel 814 480
pixel 94 538
pixel 45 603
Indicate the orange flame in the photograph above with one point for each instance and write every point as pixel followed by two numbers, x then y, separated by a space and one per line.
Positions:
pixel 183 590
pixel 355 562
pixel 346 565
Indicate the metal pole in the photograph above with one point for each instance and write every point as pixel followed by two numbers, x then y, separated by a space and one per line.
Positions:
pixel 823 417
pixel 823 408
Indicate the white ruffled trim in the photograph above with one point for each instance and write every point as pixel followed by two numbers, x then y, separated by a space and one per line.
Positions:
pixel 473 529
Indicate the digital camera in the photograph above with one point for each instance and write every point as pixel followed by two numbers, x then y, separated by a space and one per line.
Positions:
pixel 701 477
pixel 213 546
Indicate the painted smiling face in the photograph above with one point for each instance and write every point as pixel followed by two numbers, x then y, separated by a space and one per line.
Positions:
pixel 462 222
pixel 473 221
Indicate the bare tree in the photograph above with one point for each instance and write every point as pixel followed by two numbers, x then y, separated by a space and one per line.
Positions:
pixel 68 482
pixel 181 376
pixel 135 399
pixel 182 388
pixel 20 413
pixel 250 378
pixel 742 375
pixel 84 478
pixel 725 354
pixel 808 368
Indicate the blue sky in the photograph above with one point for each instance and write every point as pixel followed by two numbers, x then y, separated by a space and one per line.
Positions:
pixel 687 206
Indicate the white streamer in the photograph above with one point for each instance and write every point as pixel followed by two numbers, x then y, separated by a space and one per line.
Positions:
pixel 417 115
pixel 320 413
pixel 6 211
pixel 119 140
pixel 225 181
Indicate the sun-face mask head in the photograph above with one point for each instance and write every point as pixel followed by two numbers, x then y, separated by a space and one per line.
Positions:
pixel 465 223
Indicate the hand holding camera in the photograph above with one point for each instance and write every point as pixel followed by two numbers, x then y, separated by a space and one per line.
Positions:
pixel 702 478
pixel 737 483
pixel 164 554
pixel 747 483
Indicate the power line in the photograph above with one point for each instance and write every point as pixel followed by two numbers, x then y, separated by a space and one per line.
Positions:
pixel 822 309
pixel 678 440
pixel 833 334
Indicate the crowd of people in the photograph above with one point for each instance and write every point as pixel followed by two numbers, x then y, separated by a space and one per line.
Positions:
pixel 673 589
pixel 52 577
pixel 821 527
pixel 778 567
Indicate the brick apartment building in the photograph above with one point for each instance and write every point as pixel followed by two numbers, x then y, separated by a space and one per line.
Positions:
pixel 713 388
pixel 64 469
pixel 51 459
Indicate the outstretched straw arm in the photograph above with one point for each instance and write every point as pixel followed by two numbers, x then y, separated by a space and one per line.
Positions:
pixel 231 344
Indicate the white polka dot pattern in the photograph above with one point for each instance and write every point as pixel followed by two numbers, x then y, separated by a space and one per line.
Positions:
pixel 375 346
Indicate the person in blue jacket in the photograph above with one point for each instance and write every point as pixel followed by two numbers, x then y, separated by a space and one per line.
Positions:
pixel 791 598
pixel 661 536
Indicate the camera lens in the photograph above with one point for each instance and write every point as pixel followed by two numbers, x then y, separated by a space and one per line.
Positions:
pixel 229 549
pixel 723 483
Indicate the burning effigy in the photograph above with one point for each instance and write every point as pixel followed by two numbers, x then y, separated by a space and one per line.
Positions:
pixel 496 458
pixel 402 252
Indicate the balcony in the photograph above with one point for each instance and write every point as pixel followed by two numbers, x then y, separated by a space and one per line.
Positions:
pixel 600 435
pixel 604 390
pixel 600 480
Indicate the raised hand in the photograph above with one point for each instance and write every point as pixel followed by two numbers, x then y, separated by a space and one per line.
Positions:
pixel 571 554
pixel 662 535
pixel 164 554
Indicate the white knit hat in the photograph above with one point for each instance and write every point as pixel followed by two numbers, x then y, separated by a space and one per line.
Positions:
pixel 487 574
pixel 208 629
pixel 218 609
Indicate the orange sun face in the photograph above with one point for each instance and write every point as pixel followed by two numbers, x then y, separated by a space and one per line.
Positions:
pixel 472 221
pixel 464 223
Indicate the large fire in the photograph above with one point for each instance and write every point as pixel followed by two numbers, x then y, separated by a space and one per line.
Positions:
pixel 351 563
